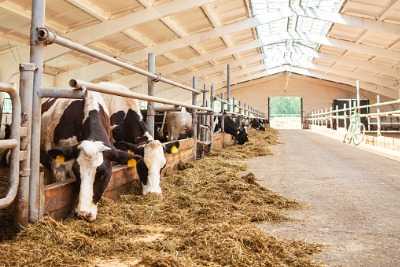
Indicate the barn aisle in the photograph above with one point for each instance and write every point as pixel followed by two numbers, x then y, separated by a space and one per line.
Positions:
pixel 352 198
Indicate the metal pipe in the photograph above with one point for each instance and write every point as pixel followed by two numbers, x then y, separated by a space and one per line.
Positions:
pixel 212 122
pixel 36 57
pixel 12 143
pixel 221 100
pixel 203 133
pixel 204 113
pixel 50 37
pixel 102 88
pixel 167 108
pixel 151 92
pixel 21 207
pixel 378 110
pixel 194 118
pixel 358 92
pixel 63 93
pixel 228 86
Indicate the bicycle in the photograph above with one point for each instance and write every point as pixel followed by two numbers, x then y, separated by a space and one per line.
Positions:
pixel 356 130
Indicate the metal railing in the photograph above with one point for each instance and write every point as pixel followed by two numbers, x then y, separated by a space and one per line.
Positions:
pixel 374 116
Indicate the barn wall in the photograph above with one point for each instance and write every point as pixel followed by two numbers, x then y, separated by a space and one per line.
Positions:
pixel 316 93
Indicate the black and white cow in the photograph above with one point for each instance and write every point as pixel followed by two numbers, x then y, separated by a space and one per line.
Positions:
pixel 258 124
pixel 76 135
pixel 128 127
pixel 232 128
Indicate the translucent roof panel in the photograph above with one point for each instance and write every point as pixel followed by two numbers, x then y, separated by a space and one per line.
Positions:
pixel 280 35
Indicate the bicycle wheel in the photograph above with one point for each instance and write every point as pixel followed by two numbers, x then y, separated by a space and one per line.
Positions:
pixel 359 133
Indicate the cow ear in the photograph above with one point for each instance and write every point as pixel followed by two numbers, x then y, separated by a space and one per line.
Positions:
pixel 61 154
pixel 125 158
pixel 172 147
pixel 126 146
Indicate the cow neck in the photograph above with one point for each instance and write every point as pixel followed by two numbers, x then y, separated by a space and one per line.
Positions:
pixel 135 125
pixel 98 122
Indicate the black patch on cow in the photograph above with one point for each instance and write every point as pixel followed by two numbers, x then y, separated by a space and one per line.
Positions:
pixel 132 128
pixel 70 122
pixel 143 172
pixel 97 126
pixel 102 178
pixel 47 104
pixel 117 118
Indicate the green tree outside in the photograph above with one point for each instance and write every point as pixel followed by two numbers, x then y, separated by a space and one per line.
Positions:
pixel 285 105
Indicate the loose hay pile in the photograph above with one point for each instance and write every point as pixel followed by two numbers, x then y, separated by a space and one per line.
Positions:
pixel 203 219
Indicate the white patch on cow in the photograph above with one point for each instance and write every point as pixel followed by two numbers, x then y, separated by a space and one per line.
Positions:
pixel 120 103
pixel 93 102
pixel 148 135
pixel 89 159
pixel 155 160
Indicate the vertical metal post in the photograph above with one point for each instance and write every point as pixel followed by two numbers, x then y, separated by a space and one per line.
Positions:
pixel 358 94
pixel 21 208
pixel 151 92
pixel 194 117
pixel 240 112
pixel 337 117
pixel 345 116
pixel 212 122
pixel 203 132
pixel 36 188
pixel 222 112
pixel 245 114
pixel 330 118
pixel 228 87
pixel 378 119
pixel 326 117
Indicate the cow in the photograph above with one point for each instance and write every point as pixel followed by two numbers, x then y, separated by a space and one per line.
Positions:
pixel 129 131
pixel 77 132
pixel 179 124
pixel 232 128
pixel 258 124
pixel 5 156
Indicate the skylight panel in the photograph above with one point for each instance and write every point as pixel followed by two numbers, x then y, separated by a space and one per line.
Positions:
pixel 288 25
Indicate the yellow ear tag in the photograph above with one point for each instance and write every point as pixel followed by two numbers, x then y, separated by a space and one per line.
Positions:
pixel 174 150
pixel 60 159
pixel 130 151
pixel 238 132
pixel 132 163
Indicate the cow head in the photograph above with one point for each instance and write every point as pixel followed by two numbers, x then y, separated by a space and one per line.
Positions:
pixel 128 126
pixel 154 161
pixel 92 168
pixel 241 136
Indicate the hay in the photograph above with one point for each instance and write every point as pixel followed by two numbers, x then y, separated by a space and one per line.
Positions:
pixel 204 218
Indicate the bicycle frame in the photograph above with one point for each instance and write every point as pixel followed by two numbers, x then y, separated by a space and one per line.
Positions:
pixel 356 130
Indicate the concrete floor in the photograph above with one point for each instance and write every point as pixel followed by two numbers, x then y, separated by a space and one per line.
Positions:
pixel 352 198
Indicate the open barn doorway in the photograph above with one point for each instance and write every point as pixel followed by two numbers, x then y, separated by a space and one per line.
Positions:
pixel 285 112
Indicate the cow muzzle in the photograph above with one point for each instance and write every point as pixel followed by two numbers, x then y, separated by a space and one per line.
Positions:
pixel 86 216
